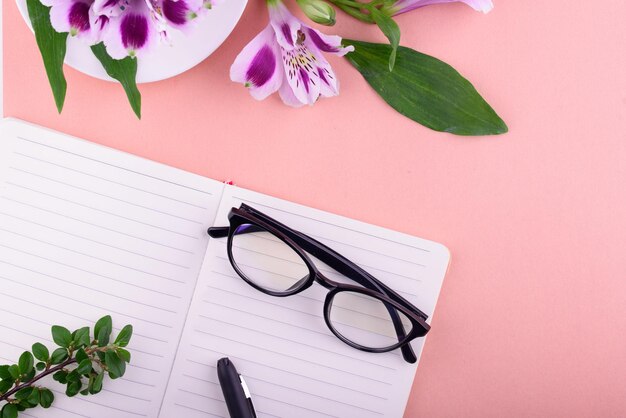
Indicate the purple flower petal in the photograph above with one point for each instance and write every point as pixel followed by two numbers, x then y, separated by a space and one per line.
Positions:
pixel 79 17
pixel 327 43
pixel 262 67
pixel 134 31
pixel 258 65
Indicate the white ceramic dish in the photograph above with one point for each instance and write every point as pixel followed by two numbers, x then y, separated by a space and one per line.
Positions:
pixel 165 61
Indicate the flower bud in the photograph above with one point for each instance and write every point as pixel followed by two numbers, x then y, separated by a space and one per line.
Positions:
pixel 318 11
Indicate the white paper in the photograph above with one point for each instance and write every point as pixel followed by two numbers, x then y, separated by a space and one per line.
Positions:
pixel 292 363
pixel 87 231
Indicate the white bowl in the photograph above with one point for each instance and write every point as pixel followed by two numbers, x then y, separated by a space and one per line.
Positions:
pixel 164 61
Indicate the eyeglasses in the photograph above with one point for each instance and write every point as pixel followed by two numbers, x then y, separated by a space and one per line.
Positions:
pixel 274 259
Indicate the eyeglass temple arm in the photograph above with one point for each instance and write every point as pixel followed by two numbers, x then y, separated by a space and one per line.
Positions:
pixel 343 266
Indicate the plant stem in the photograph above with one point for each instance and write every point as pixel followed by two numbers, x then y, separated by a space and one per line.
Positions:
pixel 41 375
pixel 354 9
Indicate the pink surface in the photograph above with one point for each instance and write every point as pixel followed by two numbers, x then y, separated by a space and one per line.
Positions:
pixel 532 316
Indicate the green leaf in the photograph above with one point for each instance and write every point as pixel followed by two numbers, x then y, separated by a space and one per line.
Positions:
pixel 62 336
pixel 81 355
pixel 23 393
pixel 41 352
pixel 96 386
pixel 73 387
pixel 60 376
pixel 5 385
pixel 390 29
pixel 123 338
pixel 124 71
pixel 426 90
pixel 4 372
pixel 84 367
pixel 81 336
pixel 123 354
pixel 116 366
pixel 46 398
pixel 34 397
pixel 52 46
pixel 14 370
pixel 102 330
pixel 40 365
pixel 26 362
pixel 58 356
pixel 9 411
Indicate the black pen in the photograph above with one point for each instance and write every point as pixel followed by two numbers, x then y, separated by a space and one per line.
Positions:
pixel 235 390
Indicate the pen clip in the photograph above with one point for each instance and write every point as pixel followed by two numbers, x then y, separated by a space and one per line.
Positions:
pixel 246 392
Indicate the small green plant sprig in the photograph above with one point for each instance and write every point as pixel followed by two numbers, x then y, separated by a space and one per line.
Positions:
pixel 80 363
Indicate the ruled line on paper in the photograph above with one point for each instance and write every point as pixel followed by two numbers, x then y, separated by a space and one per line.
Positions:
pixel 257 410
pixel 99 210
pixel 235 276
pixel 86 303
pixel 91 256
pixel 95 225
pixel 135 334
pixel 282 306
pixel 103 195
pixel 30 221
pixel 126 395
pixel 329 335
pixel 316 347
pixel 109 180
pixel 49 324
pixel 251 203
pixel 199 410
pixel 252 377
pixel 99 290
pixel 323 270
pixel 292 356
pixel 114 166
pixel 108 406
pixel 88 271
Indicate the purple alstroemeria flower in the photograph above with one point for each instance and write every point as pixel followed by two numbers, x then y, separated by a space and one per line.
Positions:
pixel 403 6
pixel 127 27
pixel 287 57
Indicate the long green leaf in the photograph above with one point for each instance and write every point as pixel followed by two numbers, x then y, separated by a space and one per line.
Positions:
pixel 52 46
pixel 426 90
pixel 124 71
pixel 391 30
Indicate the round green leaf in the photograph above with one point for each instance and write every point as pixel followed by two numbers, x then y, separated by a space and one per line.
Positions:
pixel 9 411
pixel 4 372
pixel 5 385
pixel 46 398
pixel 123 338
pixel 26 362
pixel 23 393
pixel 62 336
pixel 41 352
pixel 34 397
pixel 116 366
pixel 73 387
pixel 58 356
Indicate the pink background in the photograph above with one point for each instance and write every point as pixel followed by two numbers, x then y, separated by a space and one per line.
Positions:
pixel 532 316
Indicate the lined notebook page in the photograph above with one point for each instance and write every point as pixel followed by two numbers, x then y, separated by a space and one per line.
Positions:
pixel 292 363
pixel 87 231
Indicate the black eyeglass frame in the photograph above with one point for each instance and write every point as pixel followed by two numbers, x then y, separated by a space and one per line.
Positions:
pixel 303 244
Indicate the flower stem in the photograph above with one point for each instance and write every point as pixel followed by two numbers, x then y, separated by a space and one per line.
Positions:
pixel 354 9
pixel 41 375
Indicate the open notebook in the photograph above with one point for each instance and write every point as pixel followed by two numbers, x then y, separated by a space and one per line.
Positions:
pixel 87 231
